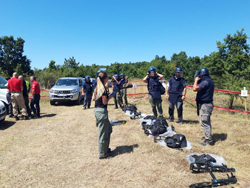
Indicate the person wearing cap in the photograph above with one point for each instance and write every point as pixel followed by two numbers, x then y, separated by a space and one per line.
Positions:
pixel 15 86
pixel 35 97
pixel 204 86
pixel 116 89
pixel 175 93
pixel 154 90
pixel 123 91
pixel 87 89
pixel 25 92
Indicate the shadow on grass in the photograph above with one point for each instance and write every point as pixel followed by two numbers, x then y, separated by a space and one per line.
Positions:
pixel 124 149
pixel 190 121
pixel 6 124
pixel 219 137
pixel 47 115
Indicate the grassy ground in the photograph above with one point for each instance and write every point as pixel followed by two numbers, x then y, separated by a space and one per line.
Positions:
pixel 60 149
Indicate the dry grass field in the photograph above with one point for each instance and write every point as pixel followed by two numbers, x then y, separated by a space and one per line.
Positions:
pixel 60 149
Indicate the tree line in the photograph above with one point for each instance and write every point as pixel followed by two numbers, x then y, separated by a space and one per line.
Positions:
pixel 229 65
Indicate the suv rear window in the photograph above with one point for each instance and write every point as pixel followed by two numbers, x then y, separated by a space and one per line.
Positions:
pixel 67 82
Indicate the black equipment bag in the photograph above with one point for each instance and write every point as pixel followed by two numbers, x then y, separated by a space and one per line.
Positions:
pixel 162 89
pixel 176 141
pixel 159 127
pixel 203 159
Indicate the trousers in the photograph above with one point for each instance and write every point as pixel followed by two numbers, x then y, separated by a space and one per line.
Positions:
pixel 205 115
pixel 179 106
pixel 35 101
pixel 10 109
pixel 123 93
pixel 105 130
pixel 156 103
pixel 87 101
pixel 17 100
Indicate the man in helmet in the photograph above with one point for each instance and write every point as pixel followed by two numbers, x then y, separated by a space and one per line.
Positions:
pixel 87 89
pixel 154 90
pixel 116 84
pixel 204 86
pixel 175 93
pixel 123 91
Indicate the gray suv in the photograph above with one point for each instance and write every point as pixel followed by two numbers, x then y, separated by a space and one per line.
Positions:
pixel 66 89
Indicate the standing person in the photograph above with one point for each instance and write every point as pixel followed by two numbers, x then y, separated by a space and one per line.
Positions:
pixel 25 94
pixel 204 85
pixel 175 93
pixel 15 86
pixel 87 89
pixel 101 113
pixel 35 97
pixel 123 91
pixel 116 90
pixel 154 90
pixel 8 96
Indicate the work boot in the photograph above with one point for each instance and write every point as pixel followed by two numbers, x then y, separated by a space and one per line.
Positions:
pixel 84 108
pixel 170 120
pixel 25 118
pixel 11 116
pixel 180 122
pixel 207 142
pixel 116 107
pixel 33 116
pixel 17 118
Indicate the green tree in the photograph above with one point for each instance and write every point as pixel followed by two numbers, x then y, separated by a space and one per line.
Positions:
pixel 11 56
pixel 230 65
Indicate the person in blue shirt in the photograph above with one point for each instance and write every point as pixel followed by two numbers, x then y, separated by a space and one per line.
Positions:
pixel 204 86
pixel 154 90
pixel 175 93
pixel 87 89
pixel 116 90
pixel 123 91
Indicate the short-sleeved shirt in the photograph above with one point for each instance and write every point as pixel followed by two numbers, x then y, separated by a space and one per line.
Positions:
pixel 88 88
pixel 15 85
pixel 99 103
pixel 35 87
pixel 204 84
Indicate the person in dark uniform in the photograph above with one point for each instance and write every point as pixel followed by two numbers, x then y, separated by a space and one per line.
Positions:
pixel 35 97
pixel 175 93
pixel 26 91
pixel 154 90
pixel 204 86
pixel 123 91
pixel 8 96
pixel 116 89
pixel 101 113
pixel 87 89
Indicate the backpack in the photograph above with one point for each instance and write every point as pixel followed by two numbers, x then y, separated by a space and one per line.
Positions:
pixel 176 141
pixel 159 127
pixel 161 121
pixel 203 159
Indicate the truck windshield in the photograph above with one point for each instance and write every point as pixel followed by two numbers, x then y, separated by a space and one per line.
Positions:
pixel 67 82
pixel 2 82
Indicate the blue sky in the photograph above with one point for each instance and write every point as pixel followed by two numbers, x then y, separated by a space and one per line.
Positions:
pixel 106 31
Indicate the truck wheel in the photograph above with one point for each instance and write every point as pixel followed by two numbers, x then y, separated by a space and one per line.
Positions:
pixel 78 101
pixel 52 102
